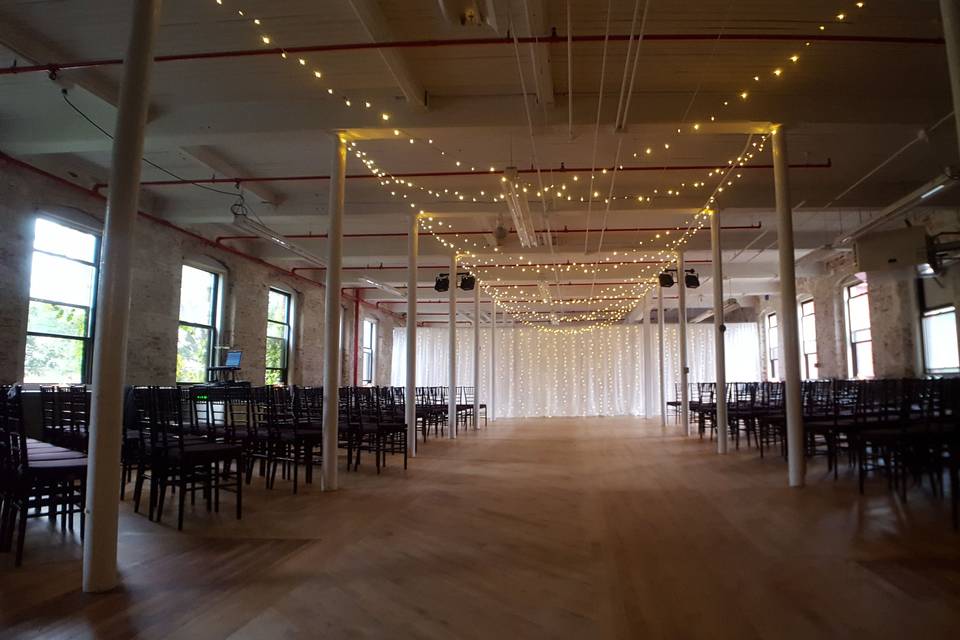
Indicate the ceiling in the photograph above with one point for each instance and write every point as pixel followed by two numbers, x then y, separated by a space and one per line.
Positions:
pixel 863 88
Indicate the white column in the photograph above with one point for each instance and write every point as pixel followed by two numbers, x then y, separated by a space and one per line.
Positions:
pixel 950 16
pixel 113 306
pixel 663 382
pixel 719 330
pixel 332 311
pixel 452 396
pixel 493 360
pixel 476 356
pixel 413 249
pixel 645 340
pixel 789 333
pixel 684 369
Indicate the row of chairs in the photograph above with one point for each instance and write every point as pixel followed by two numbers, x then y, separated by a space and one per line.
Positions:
pixel 905 430
pixel 37 479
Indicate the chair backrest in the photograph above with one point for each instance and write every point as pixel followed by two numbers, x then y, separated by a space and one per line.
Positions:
pixel 13 436
pixel 160 417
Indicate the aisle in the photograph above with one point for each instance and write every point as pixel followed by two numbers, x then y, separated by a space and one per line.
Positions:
pixel 570 528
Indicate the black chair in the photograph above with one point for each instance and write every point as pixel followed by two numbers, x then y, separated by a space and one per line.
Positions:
pixel 35 476
pixel 176 457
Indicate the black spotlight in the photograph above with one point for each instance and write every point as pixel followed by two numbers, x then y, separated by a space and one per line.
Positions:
pixel 666 279
pixel 467 282
pixel 691 280
pixel 442 284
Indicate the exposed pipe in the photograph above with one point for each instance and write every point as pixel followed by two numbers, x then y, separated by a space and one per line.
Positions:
pixel 445 174
pixel 56 67
pixel 486 266
pixel 320 236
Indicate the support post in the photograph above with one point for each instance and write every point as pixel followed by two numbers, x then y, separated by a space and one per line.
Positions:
pixel 645 340
pixel 950 16
pixel 476 356
pixel 789 336
pixel 452 394
pixel 410 395
pixel 332 313
pixel 660 332
pixel 113 306
pixel 493 360
pixel 684 369
pixel 719 331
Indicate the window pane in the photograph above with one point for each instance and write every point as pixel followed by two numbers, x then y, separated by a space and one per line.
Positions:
pixel 53 360
pixel 772 320
pixel 275 330
pixel 274 376
pixel 277 306
pixel 809 329
pixel 193 352
pixel 276 356
pixel 59 319
pixel 57 238
pixel 61 280
pixel 367 370
pixel 196 296
pixel 812 372
pixel 940 341
pixel 864 355
pixel 859 313
pixel 773 338
pixel 806 308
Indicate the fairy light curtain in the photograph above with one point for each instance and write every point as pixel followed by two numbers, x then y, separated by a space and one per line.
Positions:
pixel 597 373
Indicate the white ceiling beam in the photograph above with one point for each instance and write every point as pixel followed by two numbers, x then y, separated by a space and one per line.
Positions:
pixel 536 16
pixel 375 23
pixel 213 159
pixel 251 122
pixel 33 48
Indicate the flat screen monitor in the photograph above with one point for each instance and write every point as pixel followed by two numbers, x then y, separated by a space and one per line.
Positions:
pixel 233 358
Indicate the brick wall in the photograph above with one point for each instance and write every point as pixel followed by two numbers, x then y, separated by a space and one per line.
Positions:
pixel 160 252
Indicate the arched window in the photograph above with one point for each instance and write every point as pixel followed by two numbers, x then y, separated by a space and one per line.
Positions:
pixel 856 305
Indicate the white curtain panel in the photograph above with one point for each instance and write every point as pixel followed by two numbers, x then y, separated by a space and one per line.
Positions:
pixel 599 373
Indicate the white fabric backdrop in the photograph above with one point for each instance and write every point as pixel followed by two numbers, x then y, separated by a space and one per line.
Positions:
pixel 589 374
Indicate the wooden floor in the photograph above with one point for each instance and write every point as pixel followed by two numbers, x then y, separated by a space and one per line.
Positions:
pixel 564 528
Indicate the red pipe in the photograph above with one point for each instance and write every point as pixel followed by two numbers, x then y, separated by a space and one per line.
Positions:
pixel 518 301
pixel 53 68
pixel 445 174
pixel 493 266
pixel 320 236
pixel 156 220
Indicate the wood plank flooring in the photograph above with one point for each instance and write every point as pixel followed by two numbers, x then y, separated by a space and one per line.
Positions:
pixel 561 528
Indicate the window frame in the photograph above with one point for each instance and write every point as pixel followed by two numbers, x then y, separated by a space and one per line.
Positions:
pixel 772 367
pixel 927 311
pixel 288 331
pixel 86 359
pixel 368 351
pixel 805 364
pixel 853 366
pixel 215 317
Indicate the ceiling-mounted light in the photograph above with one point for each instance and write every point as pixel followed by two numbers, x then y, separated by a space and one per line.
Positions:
pixel 666 279
pixel 380 285
pixel 442 283
pixel 690 279
pixel 467 282
pixel 519 209
pixel 244 222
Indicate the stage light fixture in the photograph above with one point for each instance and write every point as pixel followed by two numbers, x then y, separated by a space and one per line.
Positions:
pixel 666 279
pixel 691 280
pixel 442 283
